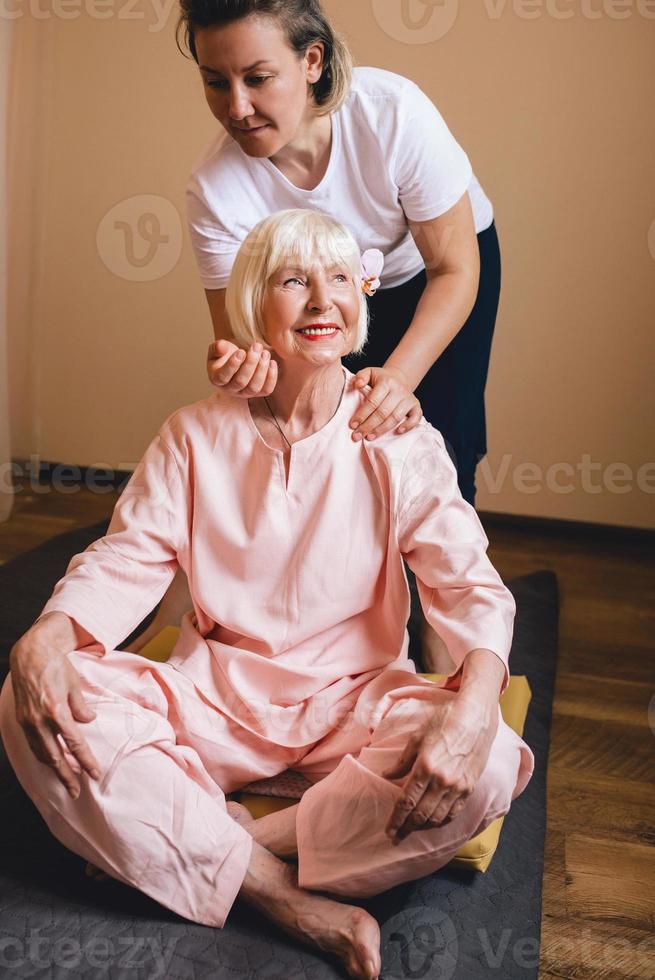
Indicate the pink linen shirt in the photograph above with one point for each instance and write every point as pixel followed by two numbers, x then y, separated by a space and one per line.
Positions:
pixel 299 591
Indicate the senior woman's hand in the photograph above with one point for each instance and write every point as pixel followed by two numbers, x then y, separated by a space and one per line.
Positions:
pixel 48 697
pixel 446 755
pixel 390 404
pixel 250 373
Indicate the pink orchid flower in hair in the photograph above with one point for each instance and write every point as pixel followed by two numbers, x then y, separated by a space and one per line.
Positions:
pixel 372 264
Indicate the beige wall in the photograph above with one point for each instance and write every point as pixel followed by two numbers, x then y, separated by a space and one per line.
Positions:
pixel 556 115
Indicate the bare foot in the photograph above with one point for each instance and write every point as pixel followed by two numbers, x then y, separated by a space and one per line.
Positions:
pixel 345 931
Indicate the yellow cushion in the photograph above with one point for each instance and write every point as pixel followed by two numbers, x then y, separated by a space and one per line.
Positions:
pixel 161 647
pixel 477 852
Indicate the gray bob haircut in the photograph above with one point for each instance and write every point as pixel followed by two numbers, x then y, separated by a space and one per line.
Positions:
pixel 298 237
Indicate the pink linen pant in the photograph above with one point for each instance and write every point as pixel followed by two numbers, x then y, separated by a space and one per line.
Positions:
pixel 157 820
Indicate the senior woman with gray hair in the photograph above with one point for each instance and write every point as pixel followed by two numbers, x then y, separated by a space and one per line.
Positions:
pixel 292 537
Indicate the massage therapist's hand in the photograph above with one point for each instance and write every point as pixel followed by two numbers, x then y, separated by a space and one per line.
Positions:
pixel 389 404
pixel 48 696
pixel 444 758
pixel 250 373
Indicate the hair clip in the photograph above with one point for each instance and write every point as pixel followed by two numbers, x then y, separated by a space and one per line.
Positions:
pixel 372 264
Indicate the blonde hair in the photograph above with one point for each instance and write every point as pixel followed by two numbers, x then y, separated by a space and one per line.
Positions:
pixel 304 23
pixel 299 237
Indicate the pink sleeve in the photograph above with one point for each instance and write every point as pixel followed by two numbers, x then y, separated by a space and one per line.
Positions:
pixel 109 588
pixel 443 542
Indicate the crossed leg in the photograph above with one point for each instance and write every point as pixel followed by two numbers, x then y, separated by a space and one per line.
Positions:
pixel 175 838
pixel 338 828
pixel 341 820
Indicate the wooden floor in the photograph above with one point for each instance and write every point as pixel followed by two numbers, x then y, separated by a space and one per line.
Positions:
pixel 599 886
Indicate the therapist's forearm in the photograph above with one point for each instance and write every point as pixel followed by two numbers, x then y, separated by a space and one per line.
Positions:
pixel 442 311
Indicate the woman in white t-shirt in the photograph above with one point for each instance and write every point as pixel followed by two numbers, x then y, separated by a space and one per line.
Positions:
pixel 302 129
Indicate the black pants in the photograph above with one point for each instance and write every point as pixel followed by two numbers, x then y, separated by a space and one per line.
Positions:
pixel 452 392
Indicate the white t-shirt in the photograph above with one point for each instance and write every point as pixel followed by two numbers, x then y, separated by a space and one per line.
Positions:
pixel 392 158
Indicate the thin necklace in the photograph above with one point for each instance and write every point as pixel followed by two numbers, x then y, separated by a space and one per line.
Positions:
pixel 329 420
